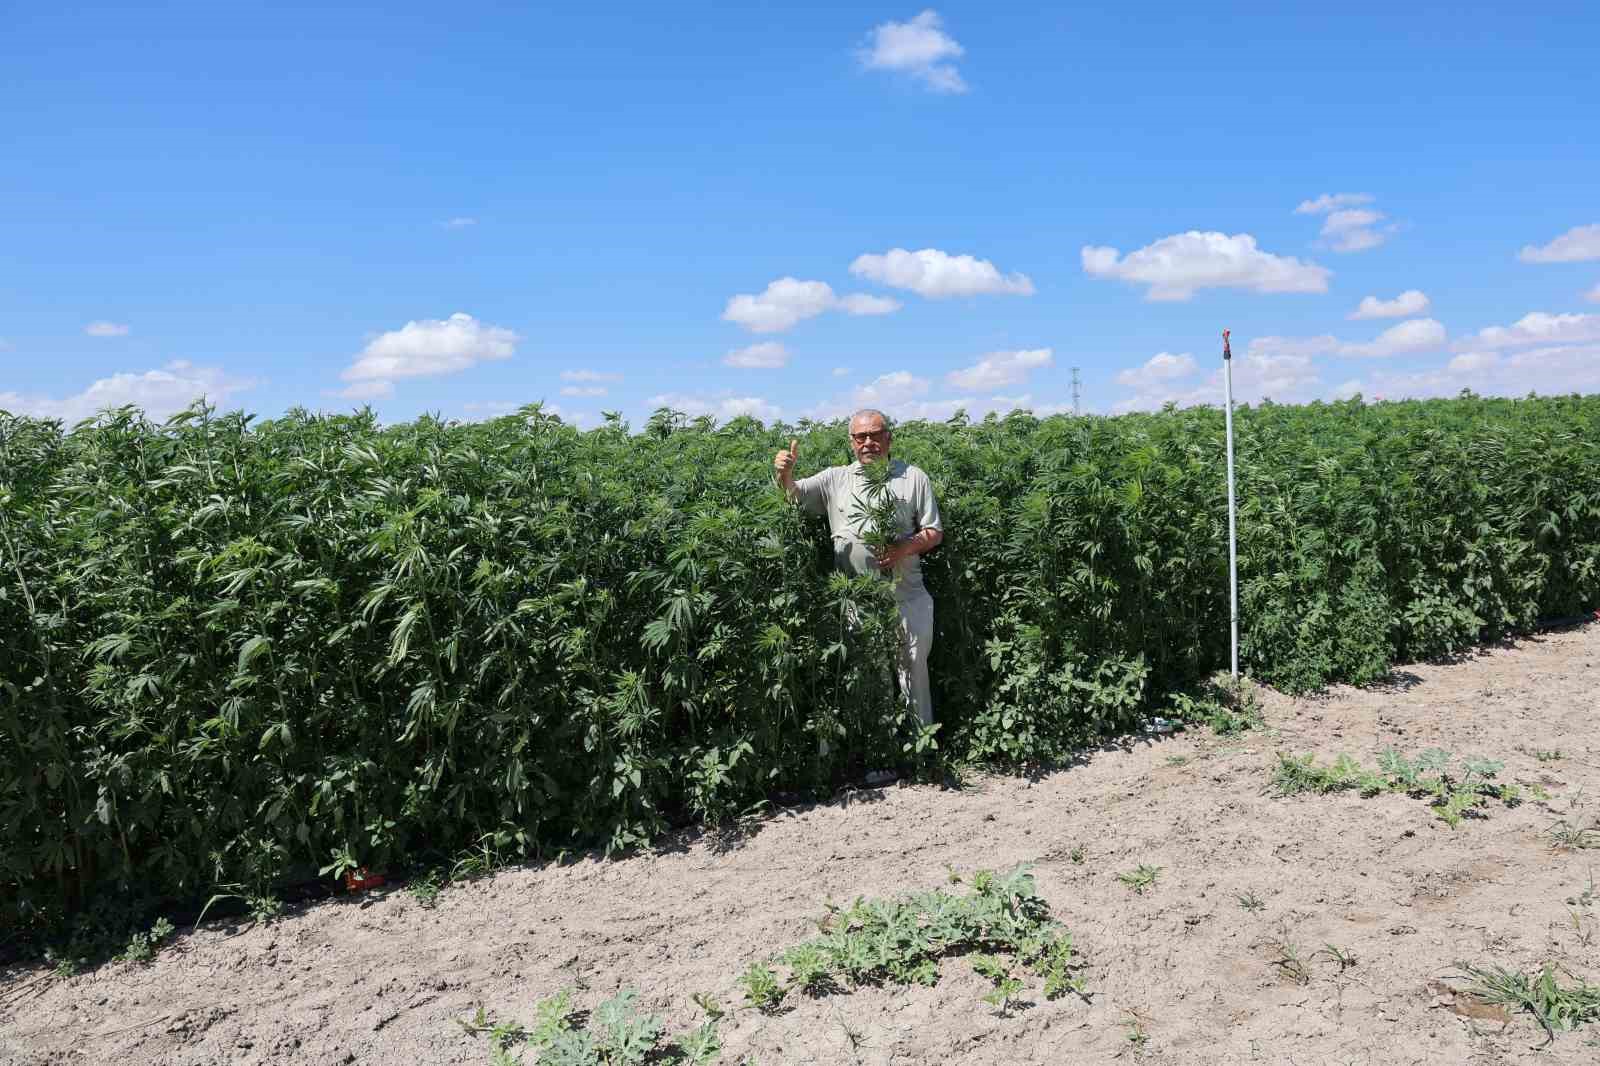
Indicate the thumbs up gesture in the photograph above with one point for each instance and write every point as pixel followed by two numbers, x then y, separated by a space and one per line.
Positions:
pixel 783 462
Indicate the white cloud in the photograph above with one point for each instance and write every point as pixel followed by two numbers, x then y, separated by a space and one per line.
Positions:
pixel 1348 227
pixel 997 370
pixel 1549 371
pixel 1413 335
pixel 1469 362
pixel 860 303
pixel 106 329
pixel 919 49
pixel 1332 202
pixel 936 275
pixel 898 386
pixel 1283 378
pixel 1353 230
pixel 1578 244
pixel 1175 267
pixel 424 349
pixel 159 393
pixel 1347 389
pixel 1593 296
pixel 1410 302
pixel 721 407
pixel 841 371
pixel 788 301
pixel 603 376
pixel 583 390
pixel 1538 328
pixel 1158 369
pixel 460 222
pixel 767 356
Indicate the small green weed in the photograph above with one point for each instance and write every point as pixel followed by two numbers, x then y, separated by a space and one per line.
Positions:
pixel 1342 959
pixel 1140 877
pixel 1553 1005
pixel 761 987
pixel 1222 703
pixel 1453 795
pixel 1568 837
pixel 427 888
pixel 142 946
pixel 998 972
pixel 616 1033
pixel 1077 854
pixel 1250 901
pixel 1002 920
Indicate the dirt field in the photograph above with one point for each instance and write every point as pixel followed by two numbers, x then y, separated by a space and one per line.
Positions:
pixel 379 979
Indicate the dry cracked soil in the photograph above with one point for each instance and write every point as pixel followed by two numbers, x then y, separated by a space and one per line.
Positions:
pixel 1185 966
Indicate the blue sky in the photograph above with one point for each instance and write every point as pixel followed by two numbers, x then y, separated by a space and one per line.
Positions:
pixel 462 208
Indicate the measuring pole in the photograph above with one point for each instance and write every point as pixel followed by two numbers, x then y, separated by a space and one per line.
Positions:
pixel 1233 539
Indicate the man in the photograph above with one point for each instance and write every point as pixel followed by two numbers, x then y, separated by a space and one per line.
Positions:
pixel 836 492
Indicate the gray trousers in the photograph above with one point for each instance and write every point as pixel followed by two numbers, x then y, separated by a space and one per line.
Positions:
pixel 916 631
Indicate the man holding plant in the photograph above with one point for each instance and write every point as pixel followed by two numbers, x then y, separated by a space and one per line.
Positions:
pixel 845 494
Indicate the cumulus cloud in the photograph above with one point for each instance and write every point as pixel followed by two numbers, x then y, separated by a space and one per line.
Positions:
pixel 1578 244
pixel 721 406
pixel 918 49
pixel 1283 378
pixel 160 393
pixel 1354 230
pixel 788 301
pixel 106 329
pixel 1348 227
pixel 1176 267
pixel 1332 202
pixel 1414 335
pixel 1538 328
pixel 1159 369
pixel 768 356
pixel 583 390
pixel 937 275
pixel 1549 371
pixel 1410 302
pixel 998 370
pixel 425 348
pixel 601 376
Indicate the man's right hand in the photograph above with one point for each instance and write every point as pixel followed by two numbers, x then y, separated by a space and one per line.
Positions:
pixel 783 463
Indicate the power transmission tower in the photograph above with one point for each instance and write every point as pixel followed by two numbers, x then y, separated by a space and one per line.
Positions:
pixel 1077 407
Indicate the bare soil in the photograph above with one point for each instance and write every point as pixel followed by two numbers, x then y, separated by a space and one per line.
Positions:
pixel 380 979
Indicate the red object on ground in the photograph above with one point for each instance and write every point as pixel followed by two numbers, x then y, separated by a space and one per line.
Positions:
pixel 360 880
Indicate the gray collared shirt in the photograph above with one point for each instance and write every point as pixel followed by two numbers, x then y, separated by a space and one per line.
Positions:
pixel 836 493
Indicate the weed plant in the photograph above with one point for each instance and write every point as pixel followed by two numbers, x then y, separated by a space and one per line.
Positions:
pixel 1555 1006
pixel 244 652
pixel 1002 923
pixel 1453 795
pixel 615 1033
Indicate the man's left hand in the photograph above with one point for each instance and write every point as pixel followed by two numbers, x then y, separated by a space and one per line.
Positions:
pixel 889 557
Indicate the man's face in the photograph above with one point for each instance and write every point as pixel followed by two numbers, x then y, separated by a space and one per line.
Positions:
pixel 869 438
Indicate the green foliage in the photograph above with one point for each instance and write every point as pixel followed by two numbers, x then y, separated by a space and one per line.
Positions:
pixel 1140 877
pixel 615 1033
pixel 1453 795
pixel 1224 704
pixel 901 941
pixel 242 652
pixel 1555 1006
